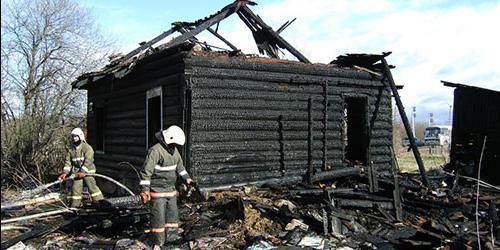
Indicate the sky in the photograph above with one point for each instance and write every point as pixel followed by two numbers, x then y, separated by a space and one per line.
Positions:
pixel 430 40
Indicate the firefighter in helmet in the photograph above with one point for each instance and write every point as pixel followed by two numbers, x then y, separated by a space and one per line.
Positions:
pixel 157 180
pixel 79 163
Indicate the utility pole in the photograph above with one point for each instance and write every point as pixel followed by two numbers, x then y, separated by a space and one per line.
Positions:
pixel 449 115
pixel 413 120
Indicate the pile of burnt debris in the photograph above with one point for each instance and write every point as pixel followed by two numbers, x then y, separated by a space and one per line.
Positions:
pixel 340 214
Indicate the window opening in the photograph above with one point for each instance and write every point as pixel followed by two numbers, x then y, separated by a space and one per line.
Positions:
pixel 99 126
pixel 154 117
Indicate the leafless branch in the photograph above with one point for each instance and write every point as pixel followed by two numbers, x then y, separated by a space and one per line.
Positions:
pixel 45 45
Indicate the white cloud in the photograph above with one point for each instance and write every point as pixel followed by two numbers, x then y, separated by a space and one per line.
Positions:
pixel 430 40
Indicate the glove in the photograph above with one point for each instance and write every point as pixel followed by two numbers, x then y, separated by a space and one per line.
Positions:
pixel 62 177
pixel 80 175
pixel 146 197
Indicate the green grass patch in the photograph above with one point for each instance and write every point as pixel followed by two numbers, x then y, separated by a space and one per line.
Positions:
pixel 432 160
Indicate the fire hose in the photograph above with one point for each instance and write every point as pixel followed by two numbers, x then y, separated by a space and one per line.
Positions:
pixel 33 192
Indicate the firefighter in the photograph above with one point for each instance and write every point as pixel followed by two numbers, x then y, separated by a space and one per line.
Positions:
pixel 157 180
pixel 79 163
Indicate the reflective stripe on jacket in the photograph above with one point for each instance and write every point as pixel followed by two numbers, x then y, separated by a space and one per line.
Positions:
pixel 160 170
pixel 80 158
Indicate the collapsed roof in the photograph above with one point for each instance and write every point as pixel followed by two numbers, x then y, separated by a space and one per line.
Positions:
pixel 269 41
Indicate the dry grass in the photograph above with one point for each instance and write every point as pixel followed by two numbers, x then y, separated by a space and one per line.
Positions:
pixel 433 158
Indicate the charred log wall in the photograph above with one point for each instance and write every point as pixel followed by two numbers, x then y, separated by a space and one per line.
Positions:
pixel 476 114
pixel 250 118
pixel 124 104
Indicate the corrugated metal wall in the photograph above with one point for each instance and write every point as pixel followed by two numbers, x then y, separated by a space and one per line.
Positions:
pixel 249 117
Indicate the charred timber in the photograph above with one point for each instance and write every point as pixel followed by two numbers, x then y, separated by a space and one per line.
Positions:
pixel 406 124
pixel 338 173
pixel 280 180
pixel 364 203
pixel 280 66
pixel 37 231
pixel 279 77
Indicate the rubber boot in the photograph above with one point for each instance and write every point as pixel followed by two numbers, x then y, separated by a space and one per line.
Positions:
pixel 172 236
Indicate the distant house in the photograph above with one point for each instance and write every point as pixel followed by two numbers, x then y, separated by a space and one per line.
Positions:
pixel 476 118
pixel 247 119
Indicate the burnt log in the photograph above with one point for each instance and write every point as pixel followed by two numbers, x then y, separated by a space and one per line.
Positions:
pixel 337 173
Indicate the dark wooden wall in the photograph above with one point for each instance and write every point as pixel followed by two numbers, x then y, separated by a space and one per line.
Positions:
pixel 476 114
pixel 246 119
pixel 249 117
pixel 124 102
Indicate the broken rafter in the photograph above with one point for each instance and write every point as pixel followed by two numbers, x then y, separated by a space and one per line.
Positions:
pixel 184 30
pixel 234 48
pixel 263 42
pixel 227 11
pixel 285 25
pixel 245 11
pixel 406 123
pixel 149 44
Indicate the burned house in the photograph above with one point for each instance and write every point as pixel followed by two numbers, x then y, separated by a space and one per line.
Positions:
pixel 476 131
pixel 247 119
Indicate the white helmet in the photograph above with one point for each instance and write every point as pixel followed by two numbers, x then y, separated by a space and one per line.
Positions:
pixel 79 133
pixel 174 134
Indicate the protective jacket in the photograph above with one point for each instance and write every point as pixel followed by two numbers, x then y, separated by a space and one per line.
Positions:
pixel 80 158
pixel 161 168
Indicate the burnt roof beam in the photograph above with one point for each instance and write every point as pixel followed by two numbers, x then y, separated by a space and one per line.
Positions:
pixel 234 48
pixel 149 44
pixel 184 30
pixel 280 41
pixel 406 123
pixel 227 11
pixel 264 42
pixel 285 25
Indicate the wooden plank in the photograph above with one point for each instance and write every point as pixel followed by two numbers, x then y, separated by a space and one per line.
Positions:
pixel 148 44
pixel 249 145
pixel 275 65
pixel 37 231
pixel 228 136
pixel 252 114
pixel 256 125
pixel 225 12
pixel 336 173
pixel 284 87
pixel 290 78
pixel 406 124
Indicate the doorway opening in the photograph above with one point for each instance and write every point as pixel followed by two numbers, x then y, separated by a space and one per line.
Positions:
pixel 355 130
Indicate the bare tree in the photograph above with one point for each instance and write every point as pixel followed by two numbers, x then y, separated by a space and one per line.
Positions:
pixel 46 44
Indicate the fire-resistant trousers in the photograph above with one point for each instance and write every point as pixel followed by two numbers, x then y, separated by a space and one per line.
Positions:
pixel 77 189
pixel 164 218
